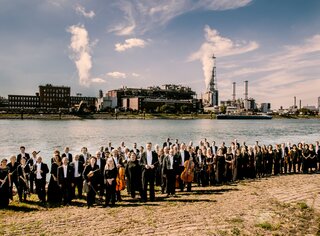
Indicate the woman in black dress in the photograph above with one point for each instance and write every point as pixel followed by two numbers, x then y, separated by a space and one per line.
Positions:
pixel 23 173
pixel 251 166
pixel 220 164
pixel 229 160
pixel 110 175
pixel 133 173
pixel 13 170
pixel 210 166
pixel 305 159
pixel 269 160
pixel 277 160
pixel 4 184
pixel 259 162
pixel 312 159
pixel 54 191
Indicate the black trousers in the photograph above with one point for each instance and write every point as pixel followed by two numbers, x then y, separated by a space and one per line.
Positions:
pixel 66 191
pixel 91 195
pixel 41 189
pixel 171 182
pixel 148 177
pixel 31 182
pixel 22 191
pixel 77 183
pixel 110 193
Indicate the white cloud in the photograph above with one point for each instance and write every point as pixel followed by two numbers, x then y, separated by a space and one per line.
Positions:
pixel 82 11
pixel 276 77
pixel 220 47
pixel 130 43
pixel 135 75
pixel 117 75
pixel 144 15
pixel 98 80
pixel 79 44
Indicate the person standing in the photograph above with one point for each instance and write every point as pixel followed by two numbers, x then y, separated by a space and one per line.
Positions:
pixel 149 162
pixel 41 170
pixel 133 173
pixel 13 172
pixel 54 191
pixel 67 154
pixel 23 154
pixel 183 156
pixel 220 164
pixel 4 184
pixel 32 161
pixel 77 176
pixel 65 179
pixel 91 175
pixel 110 175
pixel 101 162
pixel 171 172
pixel 23 173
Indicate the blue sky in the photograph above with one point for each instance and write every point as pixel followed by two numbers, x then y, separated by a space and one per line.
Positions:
pixel 93 44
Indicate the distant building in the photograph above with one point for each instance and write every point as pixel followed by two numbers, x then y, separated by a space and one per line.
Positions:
pixel 150 99
pixel 4 102
pixel 265 107
pixel 54 96
pixel 311 108
pixel 250 104
pixel 23 102
pixel 319 105
pixel 49 97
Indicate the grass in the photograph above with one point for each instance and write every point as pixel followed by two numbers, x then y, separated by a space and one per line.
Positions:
pixel 303 205
pixel 265 225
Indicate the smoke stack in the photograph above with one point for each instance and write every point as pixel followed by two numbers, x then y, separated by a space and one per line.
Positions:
pixel 234 91
pixel 246 90
pixel 294 102
pixel 300 104
pixel 100 94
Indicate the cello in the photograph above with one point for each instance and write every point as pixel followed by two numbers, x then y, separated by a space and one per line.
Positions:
pixel 187 174
pixel 120 180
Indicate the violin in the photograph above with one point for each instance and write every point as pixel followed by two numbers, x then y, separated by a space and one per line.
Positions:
pixel 187 174
pixel 120 180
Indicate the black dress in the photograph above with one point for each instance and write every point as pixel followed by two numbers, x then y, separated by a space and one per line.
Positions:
pixel 221 164
pixel 54 191
pixel 111 188
pixel 4 187
pixel 133 173
pixel 229 157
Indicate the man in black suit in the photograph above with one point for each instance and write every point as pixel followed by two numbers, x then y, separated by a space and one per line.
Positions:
pixel 84 156
pixel 23 154
pixel 67 154
pixel 32 161
pixel 149 162
pixel 170 172
pixel 214 148
pixel 91 174
pixel 167 143
pixel 40 170
pixel 101 162
pixel 183 156
pixel 77 176
pixel 65 177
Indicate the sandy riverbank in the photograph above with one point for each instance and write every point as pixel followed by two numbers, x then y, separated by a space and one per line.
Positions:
pixel 286 205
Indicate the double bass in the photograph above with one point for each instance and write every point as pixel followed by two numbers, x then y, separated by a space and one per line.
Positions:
pixel 120 180
pixel 187 174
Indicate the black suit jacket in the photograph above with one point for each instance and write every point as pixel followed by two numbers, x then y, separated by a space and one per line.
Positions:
pixel 44 168
pixel 167 164
pixel 80 167
pixel 70 175
pixel 144 162
pixel 165 144
pixel 69 156
pixel 186 157
pixel 26 156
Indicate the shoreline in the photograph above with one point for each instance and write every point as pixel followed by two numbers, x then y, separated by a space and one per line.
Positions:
pixel 124 116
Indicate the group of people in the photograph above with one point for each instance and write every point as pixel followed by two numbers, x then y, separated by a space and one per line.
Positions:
pixel 172 166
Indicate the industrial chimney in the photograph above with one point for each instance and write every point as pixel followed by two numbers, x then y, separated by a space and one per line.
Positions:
pixel 300 104
pixel 294 102
pixel 234 91
pixel 246 90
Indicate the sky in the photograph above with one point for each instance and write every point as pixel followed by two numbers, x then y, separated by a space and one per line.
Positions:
pixel 94 44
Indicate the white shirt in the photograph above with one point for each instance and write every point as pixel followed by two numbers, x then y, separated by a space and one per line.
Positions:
pixel 182 157
pixel 214 150
pixel 171 161
pixel 76 170
pixel 65 171
pixel 99 162
pixel 115 160
pixel 200 159
pixel 38 171
pixel 149 157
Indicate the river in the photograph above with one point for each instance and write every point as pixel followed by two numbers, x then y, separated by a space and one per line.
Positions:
pixel 47 135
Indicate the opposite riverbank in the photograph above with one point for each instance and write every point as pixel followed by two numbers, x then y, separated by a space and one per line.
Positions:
pixel 284 205
pixel 112 116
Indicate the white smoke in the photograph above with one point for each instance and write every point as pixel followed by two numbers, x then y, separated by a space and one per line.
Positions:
pixel 79 44
pixel 220 47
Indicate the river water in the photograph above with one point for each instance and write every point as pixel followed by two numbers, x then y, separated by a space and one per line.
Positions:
pixel 45 135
